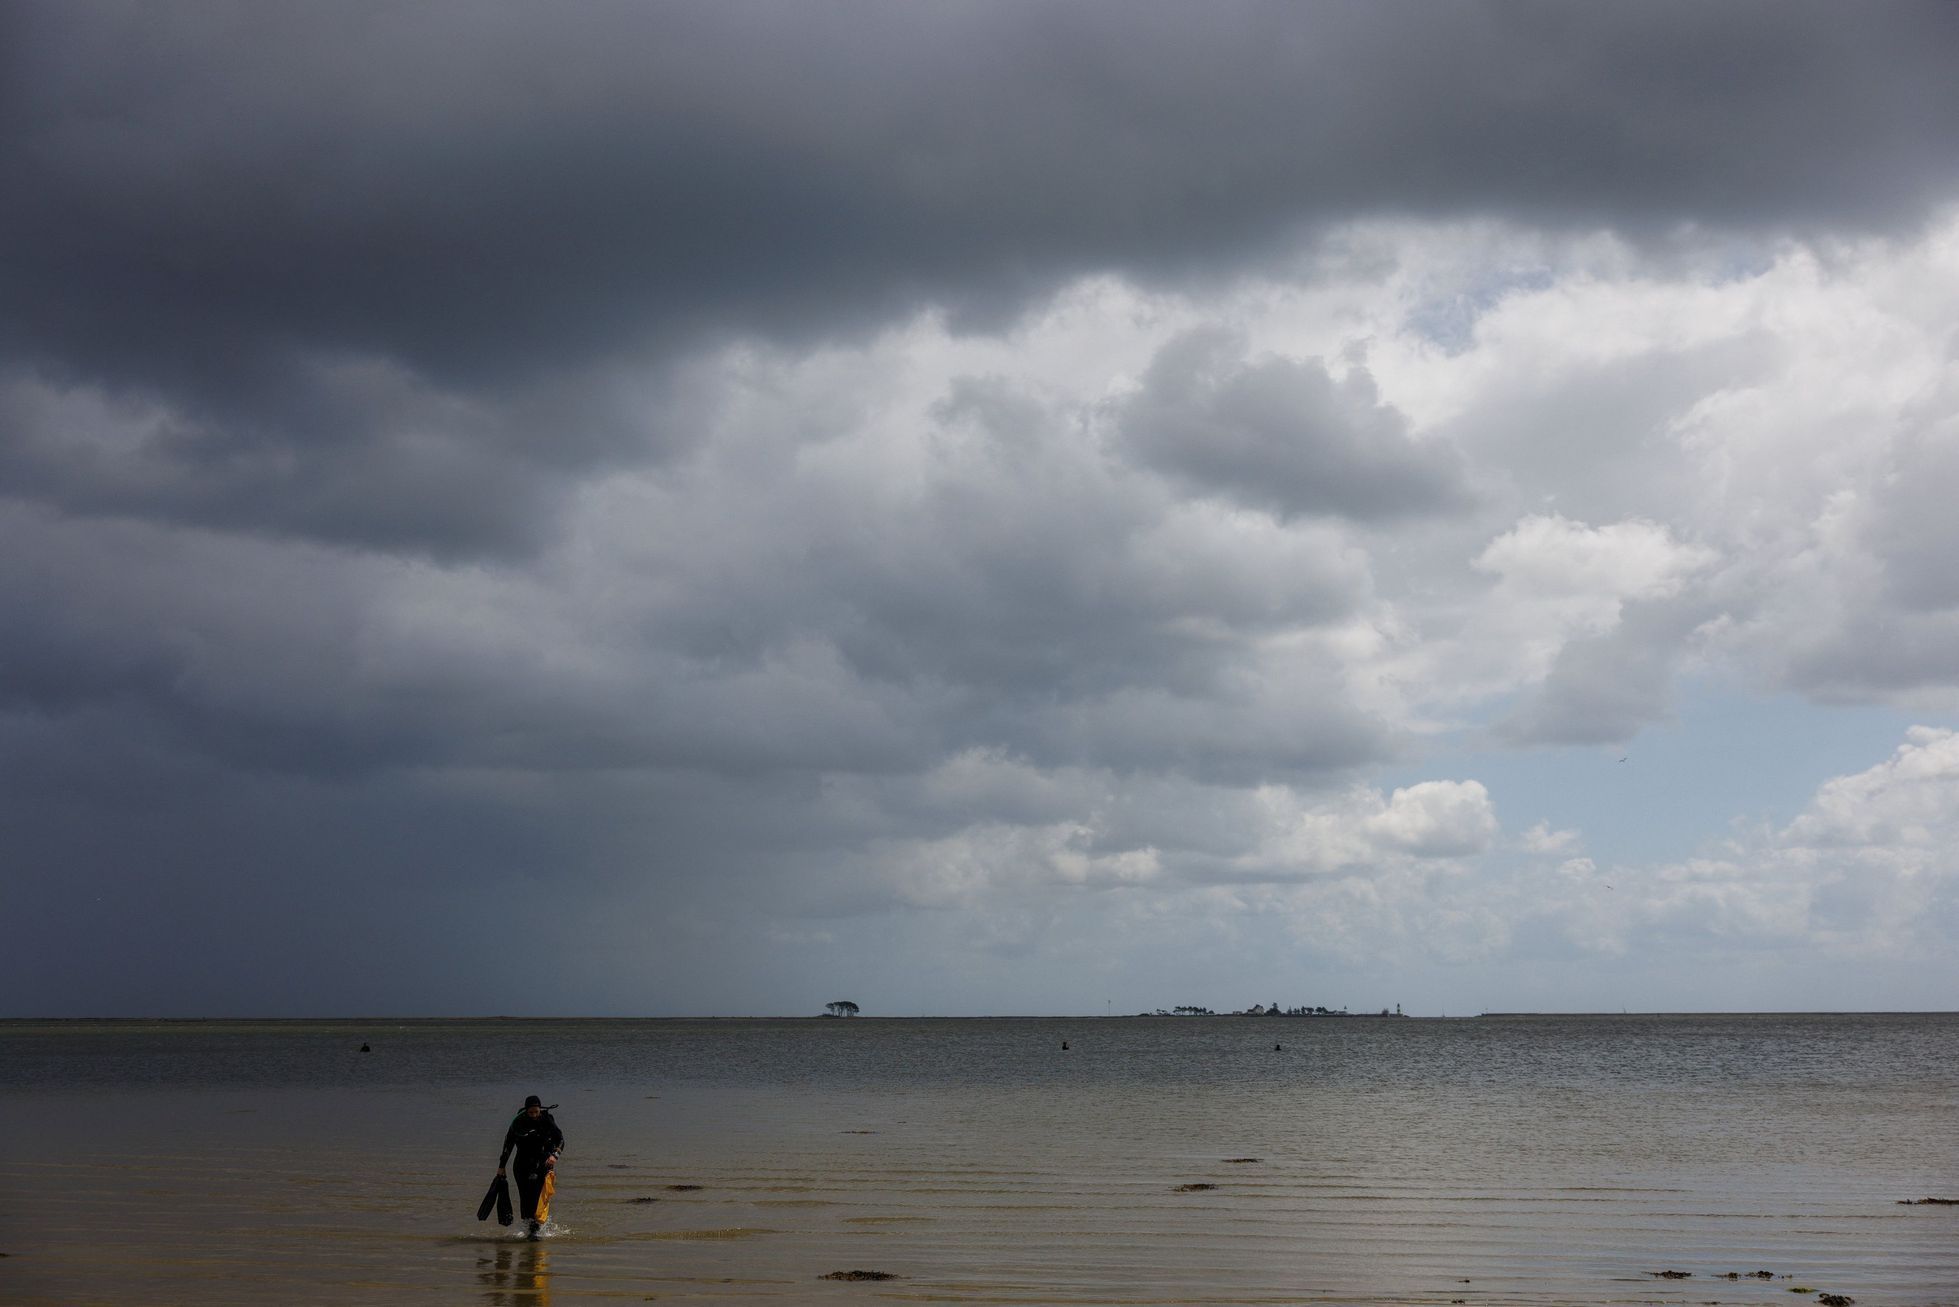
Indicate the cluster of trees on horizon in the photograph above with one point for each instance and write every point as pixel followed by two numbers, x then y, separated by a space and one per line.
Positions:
pixel 1275 1010
pixel 843 1007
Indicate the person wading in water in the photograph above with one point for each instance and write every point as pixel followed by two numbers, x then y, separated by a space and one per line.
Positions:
pixel 537 1141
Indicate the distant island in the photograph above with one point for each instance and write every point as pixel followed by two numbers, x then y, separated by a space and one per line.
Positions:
pixel 843 1007
pixel 1274 1010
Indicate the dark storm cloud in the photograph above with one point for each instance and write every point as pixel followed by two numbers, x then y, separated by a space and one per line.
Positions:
pixel 1032 568
pixel 1282 435
pixel 1030 596
pixel 360 454
pixel 210 203
pixel 297 659
pixel 325 639
pixel 146 880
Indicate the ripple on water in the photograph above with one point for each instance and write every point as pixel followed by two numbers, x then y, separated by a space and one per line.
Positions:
pixel 1546 1162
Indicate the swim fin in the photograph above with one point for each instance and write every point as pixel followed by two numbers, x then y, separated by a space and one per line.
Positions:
pixel 497 1196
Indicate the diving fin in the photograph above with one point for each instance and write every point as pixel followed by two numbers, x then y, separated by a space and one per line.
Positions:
pixel 497 1196
pixel 489 1200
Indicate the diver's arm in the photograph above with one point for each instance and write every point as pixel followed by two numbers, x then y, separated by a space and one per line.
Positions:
pixel 509 1142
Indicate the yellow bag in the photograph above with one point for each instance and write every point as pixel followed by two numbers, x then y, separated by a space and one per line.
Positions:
pixel 544 1195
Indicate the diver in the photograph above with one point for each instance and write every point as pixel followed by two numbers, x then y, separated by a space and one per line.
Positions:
pixel 537 1141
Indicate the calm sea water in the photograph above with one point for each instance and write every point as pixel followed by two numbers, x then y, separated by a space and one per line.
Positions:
pixel 1539 1160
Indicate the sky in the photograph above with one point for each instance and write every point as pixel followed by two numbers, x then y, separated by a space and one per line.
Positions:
pixel 716 508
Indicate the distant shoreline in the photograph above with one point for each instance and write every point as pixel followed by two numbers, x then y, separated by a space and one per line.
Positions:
pixel 506 1019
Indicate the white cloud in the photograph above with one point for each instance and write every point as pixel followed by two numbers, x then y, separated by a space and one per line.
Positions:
pixel 1594 570
pixel 1904 811
pixel 1437 819
pixel 1542 839
pixel 1869 869
pixel 1560 581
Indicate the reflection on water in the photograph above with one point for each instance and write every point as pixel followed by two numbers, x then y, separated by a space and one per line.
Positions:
pixel 516 1275
pixel 1535 1162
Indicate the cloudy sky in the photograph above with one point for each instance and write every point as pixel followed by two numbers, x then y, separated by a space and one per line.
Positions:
pixel 712 508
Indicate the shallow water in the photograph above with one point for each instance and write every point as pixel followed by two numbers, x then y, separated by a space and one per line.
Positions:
pixel 1496 1160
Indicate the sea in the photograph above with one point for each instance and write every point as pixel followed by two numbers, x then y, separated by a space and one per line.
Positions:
pixel 1529 1159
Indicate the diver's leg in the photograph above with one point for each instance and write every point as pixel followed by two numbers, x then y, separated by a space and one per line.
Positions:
pixel 530 1183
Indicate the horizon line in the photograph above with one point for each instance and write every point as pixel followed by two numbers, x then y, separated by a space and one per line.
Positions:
pixel 987 1016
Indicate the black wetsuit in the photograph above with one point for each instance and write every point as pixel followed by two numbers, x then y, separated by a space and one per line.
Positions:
pixel 533 1141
